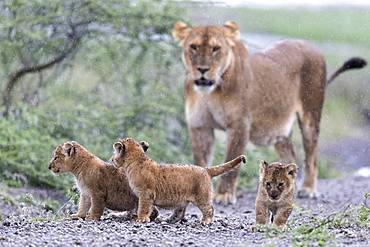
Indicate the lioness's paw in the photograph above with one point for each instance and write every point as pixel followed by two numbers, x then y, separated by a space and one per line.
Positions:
pixel 93 217
pixel 226 198
pixel 143 219
pixel 307 193
pixel 76 216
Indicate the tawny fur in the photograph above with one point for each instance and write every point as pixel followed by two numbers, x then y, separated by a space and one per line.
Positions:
pixel 253 98
pixel 101 185
pixel 170 185
pixel 275 196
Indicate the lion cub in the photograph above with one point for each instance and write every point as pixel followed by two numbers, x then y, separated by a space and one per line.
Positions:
pixel 168 186
pixel 101 184
pixel 275 193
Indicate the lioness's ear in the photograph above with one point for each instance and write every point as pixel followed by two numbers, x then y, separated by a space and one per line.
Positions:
pixel 144 145
pixel 119 148
pixel 180 31
pixel 69 149
pixel 292 170
pixel 232 32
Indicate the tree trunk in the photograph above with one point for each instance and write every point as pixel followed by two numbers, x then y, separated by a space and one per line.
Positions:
pixel 17 75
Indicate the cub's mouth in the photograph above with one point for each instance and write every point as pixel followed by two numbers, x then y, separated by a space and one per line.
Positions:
pixel 203 82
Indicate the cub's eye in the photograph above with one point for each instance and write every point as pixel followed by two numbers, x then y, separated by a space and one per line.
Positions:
pixel 280 185
pixel 268 184
pixel 194 47
pixel 216 48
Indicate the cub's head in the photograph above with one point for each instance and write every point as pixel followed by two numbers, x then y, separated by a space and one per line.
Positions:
pixel 207 52
pixel 128 148
pixel 277 178
pixel 65 157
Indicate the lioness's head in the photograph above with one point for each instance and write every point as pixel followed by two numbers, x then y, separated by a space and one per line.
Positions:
pixel 207 52
pixel 128 147
pixel 277 178
pixel 67 156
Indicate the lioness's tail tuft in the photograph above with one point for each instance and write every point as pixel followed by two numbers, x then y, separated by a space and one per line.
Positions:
pixel 220 169
pixel 352 63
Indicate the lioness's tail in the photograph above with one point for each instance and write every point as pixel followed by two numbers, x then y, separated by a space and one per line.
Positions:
pixel 352 63
pixel 218 170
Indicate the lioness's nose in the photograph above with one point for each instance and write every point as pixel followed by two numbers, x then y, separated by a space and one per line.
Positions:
pixel 203 70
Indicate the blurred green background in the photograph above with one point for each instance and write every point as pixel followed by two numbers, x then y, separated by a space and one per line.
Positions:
pixel 123 76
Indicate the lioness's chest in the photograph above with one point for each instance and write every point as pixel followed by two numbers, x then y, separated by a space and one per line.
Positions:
pixel 205 111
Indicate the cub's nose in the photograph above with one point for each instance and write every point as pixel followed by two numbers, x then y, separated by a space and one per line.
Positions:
pixel 274 194
pixel 203 70
pixel 49 166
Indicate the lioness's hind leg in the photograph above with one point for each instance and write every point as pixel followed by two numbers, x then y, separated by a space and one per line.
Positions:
pixel 313 81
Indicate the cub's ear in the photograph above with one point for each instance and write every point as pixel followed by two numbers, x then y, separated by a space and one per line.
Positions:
pixel 232 32
pixel 69 149
pixel 292 170
pixel 180 31
pixel 263 164
pixel 119 148
pixel 144 145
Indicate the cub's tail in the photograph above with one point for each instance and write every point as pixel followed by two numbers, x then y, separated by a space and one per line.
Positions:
pixel 352 63
pixel 220 169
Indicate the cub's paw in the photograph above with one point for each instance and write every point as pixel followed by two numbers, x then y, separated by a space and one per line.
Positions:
pixel 206 222
pixel 306 192
pixel 226 198
pixel 280 228
pixel 77 216
pixel 143 219
pixel 259 228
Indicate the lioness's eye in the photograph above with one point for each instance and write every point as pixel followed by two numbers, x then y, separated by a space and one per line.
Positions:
pixel 194 47
pixel 216 48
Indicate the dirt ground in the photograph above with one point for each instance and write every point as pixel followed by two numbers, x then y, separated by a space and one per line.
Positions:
pixel 28 225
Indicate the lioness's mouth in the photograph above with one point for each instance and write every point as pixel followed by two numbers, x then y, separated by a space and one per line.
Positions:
pixel 202 82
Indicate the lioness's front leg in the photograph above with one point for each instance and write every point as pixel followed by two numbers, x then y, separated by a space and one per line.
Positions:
pixel 202 140
pixel 83 207
pixel 237 138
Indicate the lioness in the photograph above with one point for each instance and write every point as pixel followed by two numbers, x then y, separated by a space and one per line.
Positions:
pixel 252 97
pixel 101 184
pixel 168 186
pixel 275 195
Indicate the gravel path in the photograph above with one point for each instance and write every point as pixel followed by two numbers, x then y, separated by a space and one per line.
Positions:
pixel 231 226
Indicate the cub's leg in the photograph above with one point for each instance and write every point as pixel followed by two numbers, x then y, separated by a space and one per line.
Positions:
pixel 83 207
pixel 285 149
pixel 207 211
pixel 145 207
pixel 202 140
pixel 154 214
pixel 237 139
pixel 177 215
pixel 97 207
pixel 281 217
pixel 262 215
